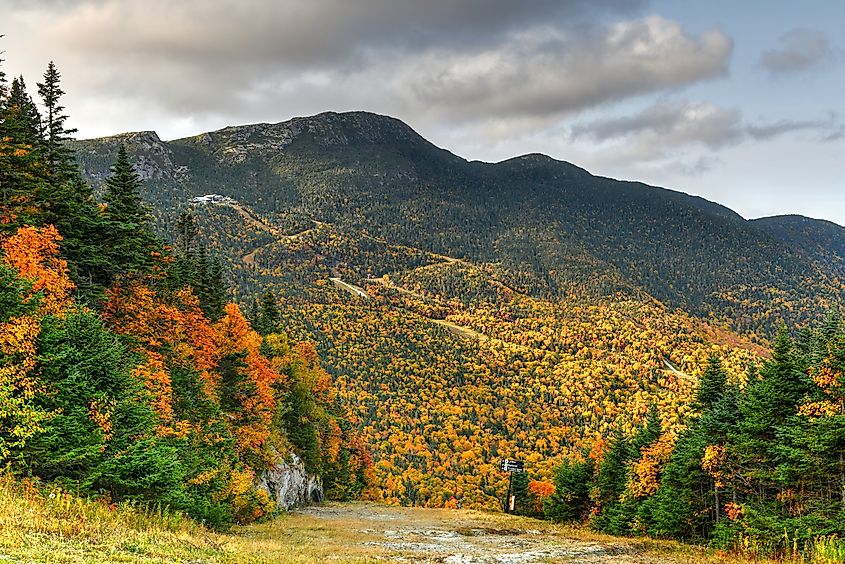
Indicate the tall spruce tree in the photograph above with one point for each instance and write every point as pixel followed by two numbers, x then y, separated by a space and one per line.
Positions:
pixel 22 171
pixel 711 385
pixel 128 222
pixel 67 201
pixel 60 159
pixel 193 267
pixel 213 301
pixel 650 431
pixel 21 119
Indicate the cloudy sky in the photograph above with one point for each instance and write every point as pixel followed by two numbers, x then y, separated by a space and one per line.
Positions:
pixel 740 102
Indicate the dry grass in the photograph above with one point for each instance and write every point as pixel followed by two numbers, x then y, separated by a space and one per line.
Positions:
pixel 55 526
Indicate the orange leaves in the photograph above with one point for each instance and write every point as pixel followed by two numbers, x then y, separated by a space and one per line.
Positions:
pixel 597 450
pixel 334 441
pixel 169 335
pixel 17 337
pixel 734 511
pixel 540 490
pixel 157 382
pixel 646 471
pixel 713 461
pixel 258 402
pixel 830 383
pixel 134 311
pixel 34 253
pixel 824 408
pixel 826 378
pixel 235 333
pixel 198 341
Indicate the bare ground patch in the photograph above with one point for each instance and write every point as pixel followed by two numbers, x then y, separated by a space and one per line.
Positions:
pixel 469 537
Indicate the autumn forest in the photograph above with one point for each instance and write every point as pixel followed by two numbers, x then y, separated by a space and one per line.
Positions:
pixel 400 320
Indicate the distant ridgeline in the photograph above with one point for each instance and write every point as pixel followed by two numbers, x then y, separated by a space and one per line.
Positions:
pixel 549 228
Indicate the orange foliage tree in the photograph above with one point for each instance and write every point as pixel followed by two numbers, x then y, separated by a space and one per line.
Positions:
pixel 250 379
pixel 34 254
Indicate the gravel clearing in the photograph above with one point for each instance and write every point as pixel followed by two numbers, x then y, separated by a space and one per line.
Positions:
pixel 470 537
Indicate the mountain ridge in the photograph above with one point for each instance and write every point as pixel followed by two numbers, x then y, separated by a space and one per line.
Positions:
pixel 552 225
pixel 538 157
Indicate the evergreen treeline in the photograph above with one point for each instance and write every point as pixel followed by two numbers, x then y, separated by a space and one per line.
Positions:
pixel 759 468
pixel 124 372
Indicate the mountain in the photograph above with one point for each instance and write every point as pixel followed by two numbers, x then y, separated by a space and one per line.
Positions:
pixel 552 228
pixel 469 311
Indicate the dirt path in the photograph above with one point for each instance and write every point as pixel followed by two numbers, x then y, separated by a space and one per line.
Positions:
pixel 678 373
pixel 255 221
pixel 460 331
pixel 249 259
pixel 402 534
pixel 351 288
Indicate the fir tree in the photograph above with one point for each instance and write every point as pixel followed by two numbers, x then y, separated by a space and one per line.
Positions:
pixel 20 117
pixel 61 163
pixel 523 500
pixel 711 385
pixel 129 234
pixel 22 172
pixel 650 431
pixel 3 82
pixel 214 299
pixel 194 268
pixel 571 499
pixel 268 318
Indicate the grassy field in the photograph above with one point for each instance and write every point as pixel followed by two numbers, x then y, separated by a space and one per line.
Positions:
pixel 58 527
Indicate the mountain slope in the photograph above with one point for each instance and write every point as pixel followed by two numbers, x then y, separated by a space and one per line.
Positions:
pixel 555 228
pixel 821 241
pixel 470 311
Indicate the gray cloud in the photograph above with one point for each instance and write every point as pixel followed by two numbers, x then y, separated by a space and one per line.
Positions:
pixel 511 65
pixel 800 50
pixel 668 127
pixel 826 130
pixel 678 122
pixel 309 32
pixel 550 73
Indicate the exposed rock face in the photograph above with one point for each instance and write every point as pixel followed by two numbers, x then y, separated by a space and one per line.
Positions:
pixel 152 158
pixel 290 485
pixel 233 145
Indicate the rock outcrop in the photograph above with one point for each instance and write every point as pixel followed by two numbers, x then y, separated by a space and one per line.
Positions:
pixel 290 485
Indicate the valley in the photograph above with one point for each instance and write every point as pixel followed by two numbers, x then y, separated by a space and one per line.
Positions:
pixel 329 339
pixel 446 365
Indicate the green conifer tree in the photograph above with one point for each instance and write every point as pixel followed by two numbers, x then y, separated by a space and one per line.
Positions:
pixel 22 171
pixel 130 239
pixel 712 384
pixel 60 158
pixel 650 431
